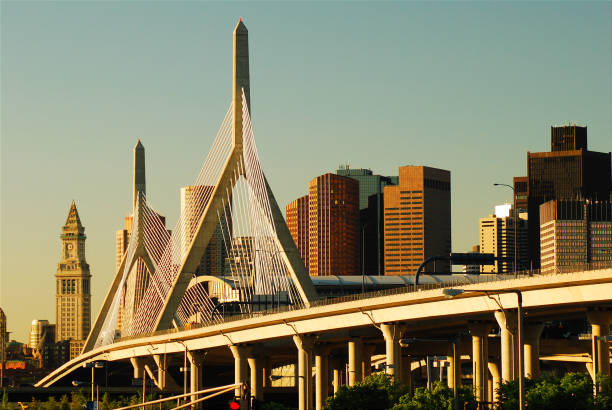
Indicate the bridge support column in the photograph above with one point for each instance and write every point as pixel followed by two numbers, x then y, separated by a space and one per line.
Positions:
pixel 304 345
pixel 160 361
pixel 495 381
pixel 480 354
pixel 257 374
pixel 354 361
pixel 337 374
pixel 600 326
pixel 196 370
pixel 391 332
pixel 508 326
pixel 240 353
pixel 453 372
pixel 321 381
pixel 533 331
pixel 138 365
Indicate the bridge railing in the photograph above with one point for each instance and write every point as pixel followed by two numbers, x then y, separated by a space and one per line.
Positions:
pixel 408 288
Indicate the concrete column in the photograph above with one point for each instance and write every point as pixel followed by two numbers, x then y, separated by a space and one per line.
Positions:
pixel 321 382
pixel 508 326
pixel 600 326
pixel 162 370
pixel 256 378
pixel 495 381
pixel 337 365
pixel 240 353
pixel 196 361
pixel 450 372
pixel 480 353
pixel 533 331
pixel 304 345
pixel 354 361
pixel 391 332
pixel 138 365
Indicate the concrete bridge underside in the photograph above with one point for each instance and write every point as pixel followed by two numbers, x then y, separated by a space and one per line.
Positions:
pixel 341 340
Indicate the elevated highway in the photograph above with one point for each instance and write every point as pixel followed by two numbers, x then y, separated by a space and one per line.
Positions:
pixel 378 320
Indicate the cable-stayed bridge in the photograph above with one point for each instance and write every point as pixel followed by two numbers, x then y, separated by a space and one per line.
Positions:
pixel 158 313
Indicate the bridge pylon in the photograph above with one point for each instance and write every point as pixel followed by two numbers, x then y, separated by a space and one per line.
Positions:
pixel 231 202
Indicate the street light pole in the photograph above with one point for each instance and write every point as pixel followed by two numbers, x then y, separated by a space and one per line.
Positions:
pixel 92 382
pixel 450 293
pixel 515 219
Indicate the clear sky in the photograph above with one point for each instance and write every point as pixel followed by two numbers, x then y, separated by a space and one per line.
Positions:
pixel 465 86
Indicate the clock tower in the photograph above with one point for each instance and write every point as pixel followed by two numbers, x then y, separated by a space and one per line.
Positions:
pixel 73 292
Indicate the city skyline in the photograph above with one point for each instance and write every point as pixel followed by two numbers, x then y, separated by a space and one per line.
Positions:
pixel 44 141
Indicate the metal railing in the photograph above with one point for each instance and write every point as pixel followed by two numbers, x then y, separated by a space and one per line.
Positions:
pixel 405 289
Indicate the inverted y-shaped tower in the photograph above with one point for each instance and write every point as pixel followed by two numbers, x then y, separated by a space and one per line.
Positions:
pixel 231 192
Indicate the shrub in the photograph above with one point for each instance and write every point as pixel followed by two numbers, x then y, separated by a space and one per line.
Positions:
pixel 376 392
pixel 439 398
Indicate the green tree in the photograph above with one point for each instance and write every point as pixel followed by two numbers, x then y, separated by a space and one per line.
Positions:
pixel 574 391
pixel 603 400
pixel 439 398
pixel 78 400
pixel 51 404
pixel 64 403
pixel 376 392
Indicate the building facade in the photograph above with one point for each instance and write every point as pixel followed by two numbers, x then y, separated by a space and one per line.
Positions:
pixel 333 226
pixel 521 194
pixel 37 330
pixel 297 222
pixel 73 291
pixel 417 219
pixel 575 233
pixel 371 205
pixel 568 172
pixel 499 233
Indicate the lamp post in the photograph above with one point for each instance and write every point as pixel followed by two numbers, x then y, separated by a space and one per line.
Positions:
pixel 451 293
pixel 515 218
pixel 93 366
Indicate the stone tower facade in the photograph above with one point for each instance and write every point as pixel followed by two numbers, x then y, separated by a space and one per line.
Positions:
pixel 73 290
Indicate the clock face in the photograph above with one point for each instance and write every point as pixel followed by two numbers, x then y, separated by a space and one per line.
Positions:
pixel 69 246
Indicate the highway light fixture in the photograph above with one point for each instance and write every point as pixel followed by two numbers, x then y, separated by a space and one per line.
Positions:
pixel 451 292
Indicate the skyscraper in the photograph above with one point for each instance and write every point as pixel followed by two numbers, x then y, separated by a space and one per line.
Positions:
pixel 333 220
pixel 297 222
pixel 574 233
pixel 417 219
pixel 568 172
pixel 371 204
pixel 73 293
pixel 497 236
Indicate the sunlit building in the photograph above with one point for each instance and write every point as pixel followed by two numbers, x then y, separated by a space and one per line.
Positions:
pixel 73 279
pixel 417 220
pixel 574 234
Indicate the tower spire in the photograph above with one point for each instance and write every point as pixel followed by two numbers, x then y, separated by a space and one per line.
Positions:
pixel 139 172
pixel 240 79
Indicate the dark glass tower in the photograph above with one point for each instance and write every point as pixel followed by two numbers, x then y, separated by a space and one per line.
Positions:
pixel 564 174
